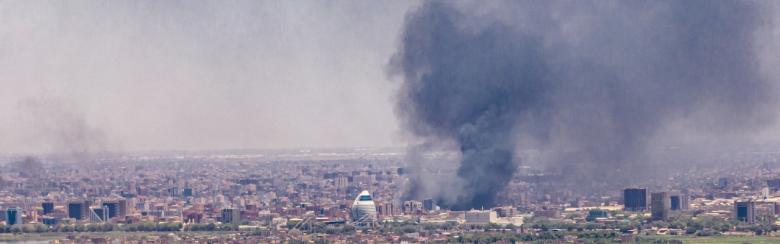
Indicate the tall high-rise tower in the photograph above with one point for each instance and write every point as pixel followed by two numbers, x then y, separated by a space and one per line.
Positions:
pixel 13 216
pixel 635 199
pixel 660 205
pixel 745 211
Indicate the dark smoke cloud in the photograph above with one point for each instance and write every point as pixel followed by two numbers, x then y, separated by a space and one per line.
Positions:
pixel 27 167
pixel 61 126
pixel 593 81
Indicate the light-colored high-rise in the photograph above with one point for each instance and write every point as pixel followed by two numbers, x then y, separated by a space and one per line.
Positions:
pixel 363 209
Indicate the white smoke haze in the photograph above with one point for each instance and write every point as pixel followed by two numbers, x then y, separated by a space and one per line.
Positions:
pixel 194 75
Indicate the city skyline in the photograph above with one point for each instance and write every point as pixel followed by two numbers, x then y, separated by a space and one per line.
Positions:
pixel 384 121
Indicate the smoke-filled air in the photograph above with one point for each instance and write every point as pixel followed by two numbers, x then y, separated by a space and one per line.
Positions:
pixel 595 82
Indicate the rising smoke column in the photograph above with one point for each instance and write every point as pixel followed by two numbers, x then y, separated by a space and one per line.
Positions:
pixel 591 80
pixel 60 125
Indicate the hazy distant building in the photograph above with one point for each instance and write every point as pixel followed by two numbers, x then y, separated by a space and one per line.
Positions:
pixel 389 209
pixel 123 207
pixel 660 205
pixel 231 216
pixel 364 179
pixel 48 207
pixel 679 201
pixel 635 199
pixel 341 183
pixel 173 191
pixel 594 214
pixel 480 216
pixel 505 211
pixel 363 211
pixel 745 211
pixel 773 184
pixel 576 203
pixel 116 208
pixel 723 182
pixel 193 217
pixel 49 220
pixel 13 216
pixel 429 204
pixel 412 207
pixel 77 210
pixel 550 213
pixel 765 212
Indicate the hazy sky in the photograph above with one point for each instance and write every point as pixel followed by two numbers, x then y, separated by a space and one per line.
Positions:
pixel 159 75
pixel 89 76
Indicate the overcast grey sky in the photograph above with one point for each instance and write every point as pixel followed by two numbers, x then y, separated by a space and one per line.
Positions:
pixel 88 76
pixel 160 75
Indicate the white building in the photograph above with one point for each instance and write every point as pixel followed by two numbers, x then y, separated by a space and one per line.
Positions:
pixel 363 210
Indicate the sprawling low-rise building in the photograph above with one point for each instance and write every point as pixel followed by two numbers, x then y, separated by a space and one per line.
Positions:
pixel 480 216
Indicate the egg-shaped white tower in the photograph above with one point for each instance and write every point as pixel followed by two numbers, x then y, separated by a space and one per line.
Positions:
pixel 363 210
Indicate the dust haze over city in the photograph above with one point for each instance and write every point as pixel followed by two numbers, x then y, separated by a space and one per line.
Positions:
pixel 352 121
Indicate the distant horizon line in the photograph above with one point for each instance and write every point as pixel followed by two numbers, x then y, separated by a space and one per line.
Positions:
pixel 287 149
pixel 267 149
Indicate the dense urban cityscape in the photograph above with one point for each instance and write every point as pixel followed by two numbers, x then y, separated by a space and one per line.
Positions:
pixel 356 196
pixel 390 121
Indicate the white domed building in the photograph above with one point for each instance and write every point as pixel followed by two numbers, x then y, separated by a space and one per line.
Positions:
pixel 363 210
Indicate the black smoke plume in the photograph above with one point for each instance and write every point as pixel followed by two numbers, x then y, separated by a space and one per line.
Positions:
pixel 27 167
pixel 592 81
